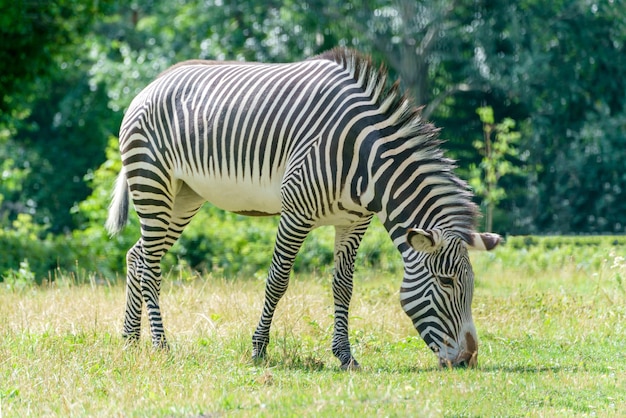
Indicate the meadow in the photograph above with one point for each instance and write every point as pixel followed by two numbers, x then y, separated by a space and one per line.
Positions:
pixel 551 319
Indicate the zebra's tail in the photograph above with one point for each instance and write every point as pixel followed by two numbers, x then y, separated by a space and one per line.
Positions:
pixel 118 209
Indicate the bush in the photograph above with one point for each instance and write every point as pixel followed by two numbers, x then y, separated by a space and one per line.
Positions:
pixel 26 245
pixel 231 245
pixel 551 242
pixel 235 245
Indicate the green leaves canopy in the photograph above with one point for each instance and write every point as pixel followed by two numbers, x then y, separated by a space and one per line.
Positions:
pixel 69 69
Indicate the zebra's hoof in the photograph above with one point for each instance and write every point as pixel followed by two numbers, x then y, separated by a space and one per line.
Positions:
pixel 258 356
pixel 161 345
pixel 130 341
pixel 352 365
pixel 259 352
pixel 258 360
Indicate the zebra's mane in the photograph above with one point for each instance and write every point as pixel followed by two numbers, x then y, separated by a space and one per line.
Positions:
pixel 420 136
pixel 399 107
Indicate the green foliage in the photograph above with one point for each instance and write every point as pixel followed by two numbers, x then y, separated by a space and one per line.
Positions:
pixel 26 249
pixel 75 65
pixel 91 246
pixel 21 278
pixel 33 36
pixel 497 154
pixel 52 123
pixel 12 178
pixel 552 242
pixel 70 118
pixel 569 88
pixel 238 246
pixel 227 243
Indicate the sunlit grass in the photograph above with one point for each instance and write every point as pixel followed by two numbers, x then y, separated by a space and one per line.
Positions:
pixel 551 344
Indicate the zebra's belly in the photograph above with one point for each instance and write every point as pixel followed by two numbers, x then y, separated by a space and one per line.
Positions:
pixel 245 196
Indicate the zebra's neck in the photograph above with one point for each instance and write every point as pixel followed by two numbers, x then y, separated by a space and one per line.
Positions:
pixel 401 173
pixel 410 184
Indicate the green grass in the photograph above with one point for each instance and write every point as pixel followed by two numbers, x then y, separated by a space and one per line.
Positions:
pixel 551 323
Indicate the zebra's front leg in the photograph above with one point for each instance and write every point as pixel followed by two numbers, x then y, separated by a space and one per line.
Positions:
pixel 289 239
pixel 275 288
pixel 347 240
pixel 134 302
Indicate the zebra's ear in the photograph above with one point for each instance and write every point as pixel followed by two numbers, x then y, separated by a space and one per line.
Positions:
pixel 424 240
pixel 485 241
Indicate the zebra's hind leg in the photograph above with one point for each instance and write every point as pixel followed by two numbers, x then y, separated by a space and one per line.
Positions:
pixel 160 228
pixel 289 238
pixel 134 301
pixel 347 240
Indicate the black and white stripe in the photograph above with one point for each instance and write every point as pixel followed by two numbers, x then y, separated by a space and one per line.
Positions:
pixel 320 142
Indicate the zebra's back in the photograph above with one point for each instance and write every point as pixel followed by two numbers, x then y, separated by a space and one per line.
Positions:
pixel 231 131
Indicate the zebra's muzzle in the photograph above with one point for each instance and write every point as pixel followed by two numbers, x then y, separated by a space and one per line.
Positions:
pixel 467 357
pixel 464 360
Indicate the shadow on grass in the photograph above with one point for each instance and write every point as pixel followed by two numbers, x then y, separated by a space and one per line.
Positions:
pixel 525 369
pixel 312 364
pixel 408 369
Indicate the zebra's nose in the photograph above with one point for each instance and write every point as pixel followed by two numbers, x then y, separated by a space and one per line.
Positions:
pixel 468 360
pixel 469 356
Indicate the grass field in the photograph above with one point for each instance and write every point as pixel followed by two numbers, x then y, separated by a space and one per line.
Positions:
pixel 551 323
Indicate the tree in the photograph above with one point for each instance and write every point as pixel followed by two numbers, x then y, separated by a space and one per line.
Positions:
pixel 497 153
pixel 568 83
pixel 32 38
pixel 39 50
pixel 79 68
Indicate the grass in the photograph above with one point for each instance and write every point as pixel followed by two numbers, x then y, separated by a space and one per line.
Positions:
pixel 551 323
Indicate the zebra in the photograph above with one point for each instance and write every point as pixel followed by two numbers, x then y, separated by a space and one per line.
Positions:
pixel 324 141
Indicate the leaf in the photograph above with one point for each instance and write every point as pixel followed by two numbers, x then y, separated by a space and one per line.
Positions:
pixel 486 114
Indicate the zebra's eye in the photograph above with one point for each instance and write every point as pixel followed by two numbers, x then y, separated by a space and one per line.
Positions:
pixel 446 281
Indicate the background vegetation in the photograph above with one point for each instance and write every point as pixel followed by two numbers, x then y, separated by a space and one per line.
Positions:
pixel 70 68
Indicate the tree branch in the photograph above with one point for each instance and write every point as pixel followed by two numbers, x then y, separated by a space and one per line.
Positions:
pixel 457 88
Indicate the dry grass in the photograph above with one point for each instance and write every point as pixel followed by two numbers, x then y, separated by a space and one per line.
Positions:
pixel 551 345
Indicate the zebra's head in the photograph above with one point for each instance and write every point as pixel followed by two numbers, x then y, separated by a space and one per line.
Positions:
pixel 437 291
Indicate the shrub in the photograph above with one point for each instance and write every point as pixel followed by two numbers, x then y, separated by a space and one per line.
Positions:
pixel 25 245
pixel 233 245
